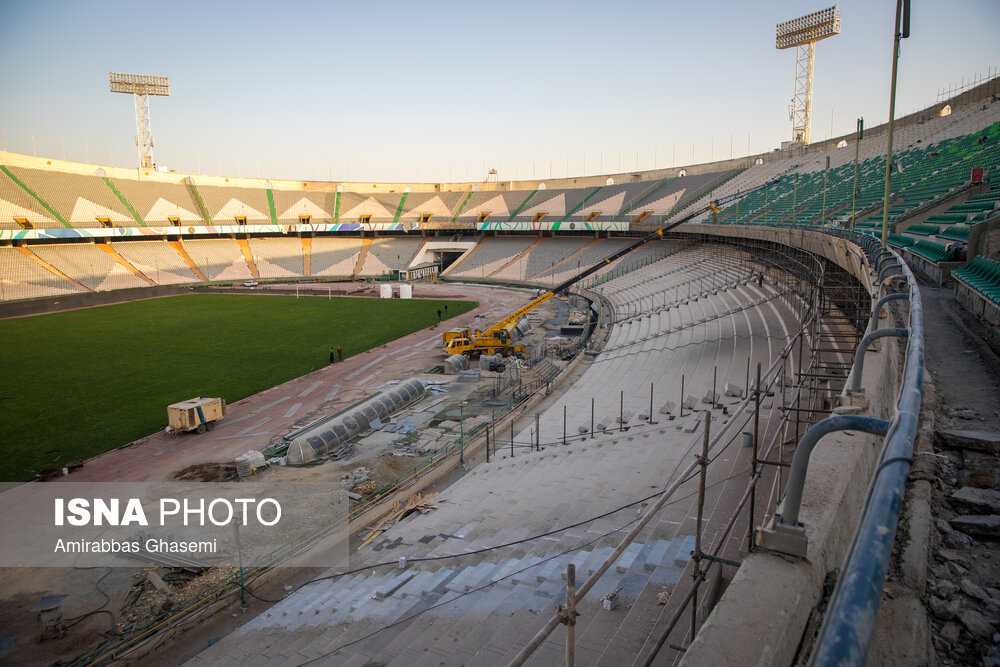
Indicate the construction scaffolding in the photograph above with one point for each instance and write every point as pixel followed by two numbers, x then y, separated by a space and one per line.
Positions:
pixel 779 404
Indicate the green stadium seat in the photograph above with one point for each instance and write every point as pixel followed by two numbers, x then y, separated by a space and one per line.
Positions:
pixel 934 252
pixel 982 275
pixel 923 230
pixel 947 218
pixel 955 233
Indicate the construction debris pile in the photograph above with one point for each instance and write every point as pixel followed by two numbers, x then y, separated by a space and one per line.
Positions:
pixel 418 502
pixel 157 591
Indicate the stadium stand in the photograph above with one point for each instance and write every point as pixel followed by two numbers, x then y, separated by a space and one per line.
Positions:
pixel 900 240
pixel 81 200
pixel 218 259
pixel 498 502
pixel 16 203
pixel 934 252
pixel 277 257
pixel 923 230
pixel 928 173
pixel 88 265
pixel 489 255
pixel 542 204
pixel 354 207
pixel 160 203
pixel 23 278
pixel 439 206
pixel 539 257
pixel 586 256
pixel 498 206
pixel 156 260
pixel 334 256
pixel 387 254
pixel 292 208
pixel 610 201
pixel 227 205
pixel 982 275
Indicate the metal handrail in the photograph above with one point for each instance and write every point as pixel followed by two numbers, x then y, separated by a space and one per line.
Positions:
pixel 846 634
pixel 800 460
pixel 859 354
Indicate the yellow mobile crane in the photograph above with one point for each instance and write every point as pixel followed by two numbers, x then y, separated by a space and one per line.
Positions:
pixel 499 338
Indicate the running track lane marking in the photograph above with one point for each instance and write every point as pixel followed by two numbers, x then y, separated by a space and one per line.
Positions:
pixel 366 367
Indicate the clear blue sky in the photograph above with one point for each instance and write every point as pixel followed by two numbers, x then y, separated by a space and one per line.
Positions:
pixel 435 91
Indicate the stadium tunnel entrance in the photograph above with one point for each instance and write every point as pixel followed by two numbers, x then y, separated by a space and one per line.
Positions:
pixel 444 253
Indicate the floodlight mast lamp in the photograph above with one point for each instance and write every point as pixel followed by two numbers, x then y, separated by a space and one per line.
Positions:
pixel 141 86
pixel 803 33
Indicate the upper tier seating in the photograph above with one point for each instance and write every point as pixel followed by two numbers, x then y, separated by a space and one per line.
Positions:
pixel 226 205
pixel 156 203
pixel 440 206
pixel 292 208
pixel 80 200
pixel 15 202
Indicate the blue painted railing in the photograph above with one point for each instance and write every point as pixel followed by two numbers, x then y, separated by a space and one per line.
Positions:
pixel 846 634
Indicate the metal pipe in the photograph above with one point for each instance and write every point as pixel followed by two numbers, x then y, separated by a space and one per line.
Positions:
pixel 882 272
pixel 881 302
pixel 571 614
pixel 859 355
pixel 892 118
pixel 682 397
pixel 621 411
pixel 538 431
pixel 703 474
pixel 650 403
pixel 784 423
pixel 800 460
pixel 753 469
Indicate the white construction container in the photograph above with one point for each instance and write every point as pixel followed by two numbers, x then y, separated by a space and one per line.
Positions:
pixel 406 291
pixel 385 291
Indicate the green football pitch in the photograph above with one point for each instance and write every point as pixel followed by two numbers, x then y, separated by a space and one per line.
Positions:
pixel 81 382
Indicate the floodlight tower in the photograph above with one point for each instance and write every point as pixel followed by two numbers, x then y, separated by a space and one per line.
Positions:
pixel 141 86
pixel 803 33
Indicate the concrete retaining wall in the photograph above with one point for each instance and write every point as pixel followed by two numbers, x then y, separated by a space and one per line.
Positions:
pixel 975 303
pixel 938 273
pixel 54 304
